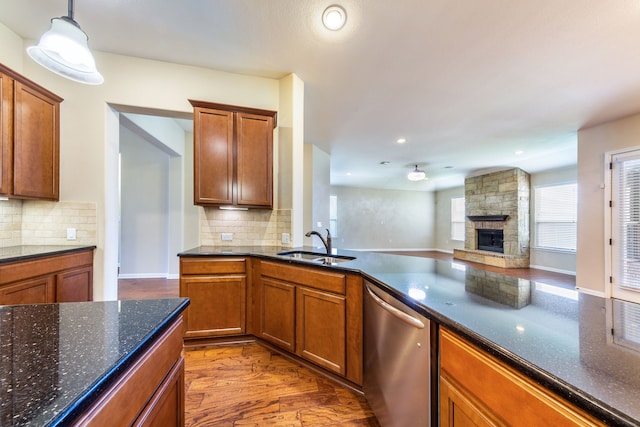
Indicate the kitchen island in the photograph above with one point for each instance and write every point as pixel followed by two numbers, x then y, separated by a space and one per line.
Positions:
pixel 68 363
pixel 579 347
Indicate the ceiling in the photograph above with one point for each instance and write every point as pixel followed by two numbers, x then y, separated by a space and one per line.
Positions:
pixel 468 83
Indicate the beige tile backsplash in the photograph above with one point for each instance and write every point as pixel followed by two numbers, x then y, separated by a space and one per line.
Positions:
pixel 254 227
pixel 31 222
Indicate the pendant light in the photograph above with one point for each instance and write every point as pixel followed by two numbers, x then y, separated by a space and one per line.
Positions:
pixel 416 175
pixel 64 50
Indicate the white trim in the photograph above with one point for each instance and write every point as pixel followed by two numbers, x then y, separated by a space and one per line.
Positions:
pixel 445 251
pixel 555 270
pixel 392 249
pixel 591 292
pixel 608 249
pixel 147 276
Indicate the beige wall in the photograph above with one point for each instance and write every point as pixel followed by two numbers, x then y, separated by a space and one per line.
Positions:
pixel 443 219
pixel 384 219
pixel 88 131
pixel 317 190
pixel 593 143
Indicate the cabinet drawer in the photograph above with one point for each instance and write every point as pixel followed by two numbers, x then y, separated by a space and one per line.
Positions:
pixel 324 280
pixel 213 266
pixel 498 390
pixel 21 270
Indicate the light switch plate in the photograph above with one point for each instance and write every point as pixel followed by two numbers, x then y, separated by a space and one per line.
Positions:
pixel 71 234
pixel 286 238
pixel 227 237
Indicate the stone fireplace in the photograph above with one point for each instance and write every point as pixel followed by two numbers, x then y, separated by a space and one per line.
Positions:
pixel 497 224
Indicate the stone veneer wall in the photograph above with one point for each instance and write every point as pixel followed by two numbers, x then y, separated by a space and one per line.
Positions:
pixel 254 227
pixel 498 193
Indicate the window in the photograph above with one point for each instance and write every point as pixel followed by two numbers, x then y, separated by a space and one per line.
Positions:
pixel 556 213
pixel 333 215
pixel 457 218
pixel 625 223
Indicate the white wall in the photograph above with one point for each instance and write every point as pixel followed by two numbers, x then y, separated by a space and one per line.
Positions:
pixel 89 125
pixel 593 143
pixel 144 225
pixel 562 262
pixel 443 219
pixel 384 219
pixel 317 190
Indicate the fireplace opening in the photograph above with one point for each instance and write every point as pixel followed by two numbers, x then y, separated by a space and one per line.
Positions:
pixel 491 240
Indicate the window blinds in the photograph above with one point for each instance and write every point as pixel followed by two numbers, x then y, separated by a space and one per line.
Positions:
pixel 457 218
pixel 626 221
pixel 556 213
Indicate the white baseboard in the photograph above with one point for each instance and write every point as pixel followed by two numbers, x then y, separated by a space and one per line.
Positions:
pixel 591 292
pixel 146 276
pixel 555 270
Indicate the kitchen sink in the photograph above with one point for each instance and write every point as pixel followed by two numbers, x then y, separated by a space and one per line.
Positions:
pixel 317 257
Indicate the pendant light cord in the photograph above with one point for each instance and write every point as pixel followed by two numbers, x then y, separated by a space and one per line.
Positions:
pixel 70 10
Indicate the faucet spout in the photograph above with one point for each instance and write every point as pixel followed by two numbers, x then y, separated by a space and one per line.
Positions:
pixel 326 242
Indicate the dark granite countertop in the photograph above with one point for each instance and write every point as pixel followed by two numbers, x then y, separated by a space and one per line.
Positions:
pixel 25 252
pixel 559 337
pixel 56 359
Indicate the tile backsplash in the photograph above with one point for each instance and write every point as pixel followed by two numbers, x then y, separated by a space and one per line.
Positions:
pixel 32 222
pixel 254 227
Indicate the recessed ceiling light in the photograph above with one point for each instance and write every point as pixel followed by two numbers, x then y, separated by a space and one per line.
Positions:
pixel 334 17
pixel 519 152
pixel 384 163
pixel 348 173
pixel 448 167
pixel 401 140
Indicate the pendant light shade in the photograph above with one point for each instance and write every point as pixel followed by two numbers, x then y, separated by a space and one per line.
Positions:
pixel 416 175
pixel 64 50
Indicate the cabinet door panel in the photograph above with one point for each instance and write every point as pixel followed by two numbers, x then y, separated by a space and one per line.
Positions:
pixel 36 144
pixel 166 408
pixel 320 329
pixel 75 285
pixel 6 135
pixel 278 313
pixel 255 160
pixel 35 291
pixel 213 157
pixel 218 305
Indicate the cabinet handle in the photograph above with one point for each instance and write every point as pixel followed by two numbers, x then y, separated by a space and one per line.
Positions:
pixel 416 323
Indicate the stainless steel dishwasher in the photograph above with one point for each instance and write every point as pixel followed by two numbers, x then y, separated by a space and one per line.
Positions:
pixel 397 356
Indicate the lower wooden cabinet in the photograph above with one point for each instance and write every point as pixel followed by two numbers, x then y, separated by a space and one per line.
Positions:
pixel 48 279
pixel 476 389
pixel 149 393
pixel 314 313
pixel 218 292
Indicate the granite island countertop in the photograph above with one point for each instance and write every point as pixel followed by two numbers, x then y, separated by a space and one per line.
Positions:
pixel 582 347
pixel 57 359
pixel 26 252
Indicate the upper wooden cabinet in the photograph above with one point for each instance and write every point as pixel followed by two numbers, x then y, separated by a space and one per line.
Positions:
pixel 29 139
pixel 233 155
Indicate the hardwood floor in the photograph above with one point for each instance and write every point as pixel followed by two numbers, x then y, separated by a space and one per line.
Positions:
pixel 246 384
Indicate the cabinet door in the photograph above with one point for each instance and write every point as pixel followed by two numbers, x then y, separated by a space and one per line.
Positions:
pixel 166 408
pixel 320 328
pixel 218 305
pixel 36 144
pixel 278 313
pixel 213 157
pixel 6 134
pixel 75 285
pixel 459 409
pixel 34 291
pixel 255 160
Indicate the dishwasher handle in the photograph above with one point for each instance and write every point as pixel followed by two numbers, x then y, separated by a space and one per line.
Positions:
pixel 406 318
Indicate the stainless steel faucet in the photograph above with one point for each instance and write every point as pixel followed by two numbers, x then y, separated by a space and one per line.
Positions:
pixel 326 243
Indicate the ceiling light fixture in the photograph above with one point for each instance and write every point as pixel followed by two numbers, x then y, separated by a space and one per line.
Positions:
pixel 64 50
pixel 334 17
pixel 401 140
pixel 416 175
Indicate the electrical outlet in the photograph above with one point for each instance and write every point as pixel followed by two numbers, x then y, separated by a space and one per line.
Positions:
pixel 227 237
pixel 71 234
pixel 286 238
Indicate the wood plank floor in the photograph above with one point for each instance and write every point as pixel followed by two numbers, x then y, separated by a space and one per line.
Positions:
pixel 248 385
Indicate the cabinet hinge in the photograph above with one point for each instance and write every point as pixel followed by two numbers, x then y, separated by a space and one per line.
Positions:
pixel 610 203
pixel 610 242
pixel 610 165
pixel 610 279
pixel 612 331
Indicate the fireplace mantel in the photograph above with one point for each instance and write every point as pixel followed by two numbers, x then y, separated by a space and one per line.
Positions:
pixel 488 217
